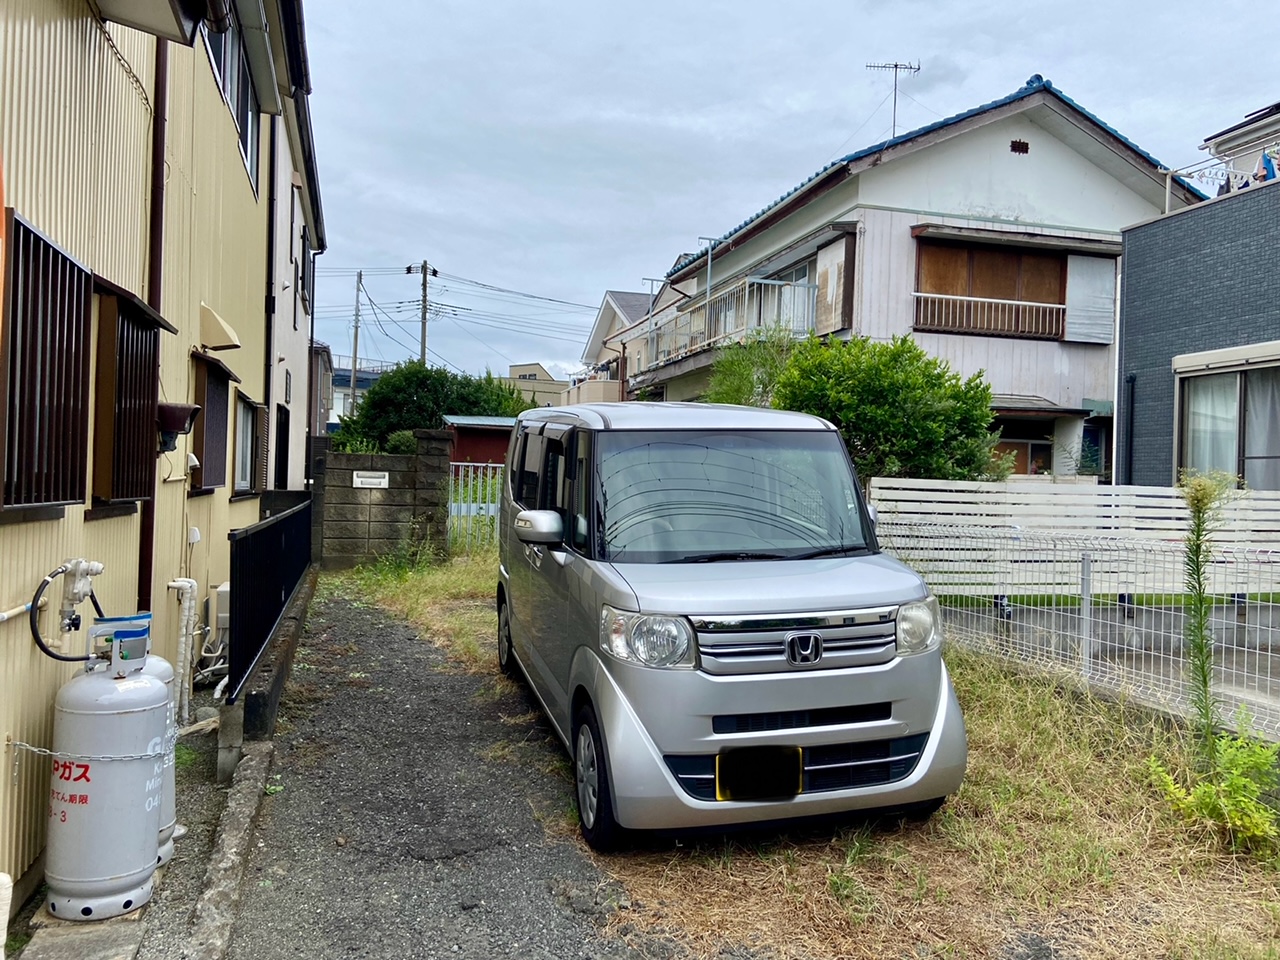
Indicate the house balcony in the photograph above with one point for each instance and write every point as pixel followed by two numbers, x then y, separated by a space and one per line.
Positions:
pixel 943 313
pixel 749 305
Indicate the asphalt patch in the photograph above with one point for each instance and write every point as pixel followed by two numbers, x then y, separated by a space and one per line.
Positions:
pixel 392 828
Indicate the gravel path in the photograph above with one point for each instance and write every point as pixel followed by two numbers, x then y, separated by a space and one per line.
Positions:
pixel 409 815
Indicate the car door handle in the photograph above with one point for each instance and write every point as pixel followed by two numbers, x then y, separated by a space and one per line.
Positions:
pixel 535 556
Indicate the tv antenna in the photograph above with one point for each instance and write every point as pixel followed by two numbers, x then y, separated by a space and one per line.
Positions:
pixel 896 68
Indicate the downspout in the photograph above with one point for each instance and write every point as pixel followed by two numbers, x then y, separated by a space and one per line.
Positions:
pixel 155 277
pixel 269 311
pixel 1130 383
pixel 219 18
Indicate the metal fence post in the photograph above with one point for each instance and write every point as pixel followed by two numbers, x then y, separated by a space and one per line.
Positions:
pixel 1086 612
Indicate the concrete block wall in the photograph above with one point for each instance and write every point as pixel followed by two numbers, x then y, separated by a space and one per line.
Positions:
pixel 356 525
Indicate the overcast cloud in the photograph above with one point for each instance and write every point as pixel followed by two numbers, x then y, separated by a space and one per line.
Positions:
pixel 566 148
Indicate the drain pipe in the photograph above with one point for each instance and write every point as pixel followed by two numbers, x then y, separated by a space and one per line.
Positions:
pixel 186 588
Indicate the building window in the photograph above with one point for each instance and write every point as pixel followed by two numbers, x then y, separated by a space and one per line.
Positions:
pixel 251 446
pixel 124 433
pixel 44 366
pixel 308 269
pixel 209 438
pixel 231 66
pixel 1231 422
pixel 990 289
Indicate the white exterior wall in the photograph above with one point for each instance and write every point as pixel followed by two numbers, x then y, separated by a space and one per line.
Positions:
pixel 292 328
pixel 977 175
pixel 1064 373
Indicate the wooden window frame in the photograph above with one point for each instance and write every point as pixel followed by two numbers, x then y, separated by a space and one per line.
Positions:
pixel 45 341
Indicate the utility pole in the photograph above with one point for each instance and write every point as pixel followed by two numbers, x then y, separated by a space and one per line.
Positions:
pixel 422 351
pixel 896 68
pixel 355 340
pixel 426 271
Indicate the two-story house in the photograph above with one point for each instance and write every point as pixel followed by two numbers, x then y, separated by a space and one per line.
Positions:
pixel 161 215
pixel 992 237
pixel 1200 323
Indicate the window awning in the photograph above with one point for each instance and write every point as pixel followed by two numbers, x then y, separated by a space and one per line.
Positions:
pixel 1252 354
pixel 1017 238
pixel 139 307
pixel 216 333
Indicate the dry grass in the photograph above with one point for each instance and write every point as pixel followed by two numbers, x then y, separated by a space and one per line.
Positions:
pixel 452 603
pixel 1056 833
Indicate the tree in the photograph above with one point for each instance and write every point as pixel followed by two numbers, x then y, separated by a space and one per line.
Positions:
pixel 415 396
pixel 746 373
pixel 901 412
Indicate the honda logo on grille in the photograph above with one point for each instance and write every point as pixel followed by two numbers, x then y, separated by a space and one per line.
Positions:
pixel 804 648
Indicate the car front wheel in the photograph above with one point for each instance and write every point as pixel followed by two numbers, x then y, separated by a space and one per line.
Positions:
pixel 591 777
pixel 506 656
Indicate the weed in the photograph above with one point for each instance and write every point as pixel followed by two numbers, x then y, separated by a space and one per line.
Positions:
pixel 185 757
pixel 271 789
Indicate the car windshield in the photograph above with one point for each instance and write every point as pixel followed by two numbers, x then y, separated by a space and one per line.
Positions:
pixel 691 496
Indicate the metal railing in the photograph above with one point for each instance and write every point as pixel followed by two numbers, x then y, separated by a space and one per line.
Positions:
pixel 941 313
pixel 268 561
pixel 748 304
pixel 1111 611
pixel 475 495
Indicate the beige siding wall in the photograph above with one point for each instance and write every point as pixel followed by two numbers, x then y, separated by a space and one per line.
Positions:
pixel 75 140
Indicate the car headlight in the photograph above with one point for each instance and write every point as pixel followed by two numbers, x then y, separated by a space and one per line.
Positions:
pixel 919 627
pixel 649 640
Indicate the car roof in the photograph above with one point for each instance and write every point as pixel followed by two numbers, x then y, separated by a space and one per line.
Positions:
pixel 638 415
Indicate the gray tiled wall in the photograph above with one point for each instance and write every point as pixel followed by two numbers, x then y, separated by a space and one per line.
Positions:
pixel 1201 280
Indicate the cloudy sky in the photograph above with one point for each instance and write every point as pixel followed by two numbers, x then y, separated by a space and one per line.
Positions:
pixel 564 148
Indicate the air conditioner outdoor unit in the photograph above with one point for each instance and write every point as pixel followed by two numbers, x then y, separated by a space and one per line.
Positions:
pixel 212 661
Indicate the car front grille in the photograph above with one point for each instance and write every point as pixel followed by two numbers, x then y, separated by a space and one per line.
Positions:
pixel 758 644
pixel 799 719
pixel 835 766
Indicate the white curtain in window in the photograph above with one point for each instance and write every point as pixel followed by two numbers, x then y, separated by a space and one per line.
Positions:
pixel 1262 428
pixel 1210 430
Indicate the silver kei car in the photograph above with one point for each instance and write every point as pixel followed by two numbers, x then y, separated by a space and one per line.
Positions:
pixel 696 597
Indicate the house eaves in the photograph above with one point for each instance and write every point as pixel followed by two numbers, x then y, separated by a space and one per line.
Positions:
pixel 838 171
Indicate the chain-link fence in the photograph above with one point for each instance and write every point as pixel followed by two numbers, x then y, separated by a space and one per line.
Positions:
pixel 1110 610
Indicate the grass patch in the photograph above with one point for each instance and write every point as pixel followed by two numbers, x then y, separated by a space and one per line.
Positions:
pixel 1058 833
pixel 185 757
pixel 452 602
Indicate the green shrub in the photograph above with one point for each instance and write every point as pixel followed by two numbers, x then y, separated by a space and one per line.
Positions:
pixel 351 443
pixel 401 442
pixel 1232 796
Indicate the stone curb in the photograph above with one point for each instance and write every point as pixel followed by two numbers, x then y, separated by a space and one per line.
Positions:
pixel 215 910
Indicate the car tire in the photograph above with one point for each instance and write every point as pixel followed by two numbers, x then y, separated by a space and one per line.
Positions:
pixel 922 811
pixel 506 654
pixel 591 783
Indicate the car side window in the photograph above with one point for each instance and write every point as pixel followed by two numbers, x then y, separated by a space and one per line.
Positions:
pixel 551 496
pixel 526 488
pixel 579 494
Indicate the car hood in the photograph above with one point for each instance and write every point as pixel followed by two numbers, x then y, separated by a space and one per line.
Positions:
pixel 771 586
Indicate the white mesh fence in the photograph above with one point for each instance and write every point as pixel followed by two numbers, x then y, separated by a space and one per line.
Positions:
pixel 1112 611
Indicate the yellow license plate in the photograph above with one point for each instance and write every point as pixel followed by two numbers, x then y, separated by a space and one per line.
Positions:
pixel 759 773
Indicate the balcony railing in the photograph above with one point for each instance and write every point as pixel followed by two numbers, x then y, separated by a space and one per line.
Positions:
pixel 940 313
pixel 749 304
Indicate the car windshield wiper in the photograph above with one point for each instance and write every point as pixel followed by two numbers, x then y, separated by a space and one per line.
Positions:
pixel 849 550
pixel 728 555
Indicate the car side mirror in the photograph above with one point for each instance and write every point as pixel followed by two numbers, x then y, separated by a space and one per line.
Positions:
pixel 873 513
pixel 539 526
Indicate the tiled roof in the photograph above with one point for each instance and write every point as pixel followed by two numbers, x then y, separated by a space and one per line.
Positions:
pixel 1034 84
